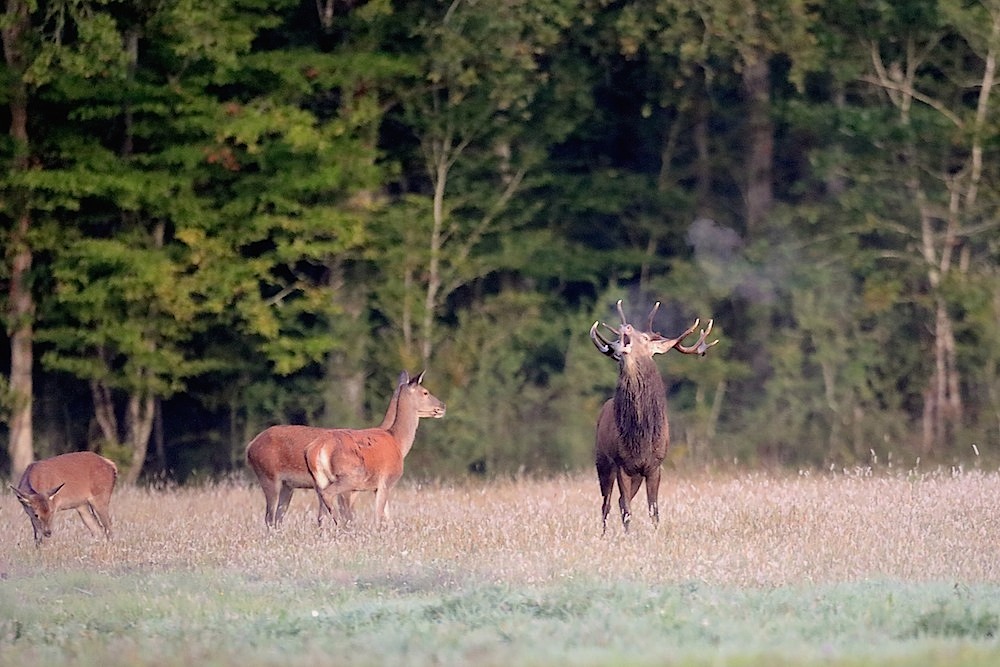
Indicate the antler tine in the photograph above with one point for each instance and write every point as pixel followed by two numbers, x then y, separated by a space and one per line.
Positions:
pixel 621 313
pixel 700 347
pixel 603 346
pixel 652 313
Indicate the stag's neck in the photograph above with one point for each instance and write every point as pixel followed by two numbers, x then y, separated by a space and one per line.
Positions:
pixel 404 427
pixel 640 404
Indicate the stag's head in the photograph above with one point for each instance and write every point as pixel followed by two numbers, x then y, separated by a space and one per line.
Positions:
pixel 631 344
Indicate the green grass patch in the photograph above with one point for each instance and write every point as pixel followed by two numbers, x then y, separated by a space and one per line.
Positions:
pixel 228 618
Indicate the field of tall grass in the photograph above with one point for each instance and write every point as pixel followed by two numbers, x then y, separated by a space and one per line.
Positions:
pixel 746 568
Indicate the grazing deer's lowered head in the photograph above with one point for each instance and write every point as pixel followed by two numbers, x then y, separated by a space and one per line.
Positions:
pixel 633 432
pixel 80 480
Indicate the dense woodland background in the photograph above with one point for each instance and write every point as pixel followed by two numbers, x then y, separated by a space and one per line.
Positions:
pixel 217 216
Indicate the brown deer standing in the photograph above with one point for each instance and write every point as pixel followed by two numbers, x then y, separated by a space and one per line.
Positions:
pixel 80 480
pixel 277 456
pixel 632 430
pixel 347 460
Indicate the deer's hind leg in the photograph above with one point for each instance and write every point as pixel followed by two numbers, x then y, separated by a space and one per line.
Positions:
pixel 101 509
pixel 89 520
pixel 284 499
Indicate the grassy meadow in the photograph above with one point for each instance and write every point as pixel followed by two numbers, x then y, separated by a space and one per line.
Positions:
pixel 746 568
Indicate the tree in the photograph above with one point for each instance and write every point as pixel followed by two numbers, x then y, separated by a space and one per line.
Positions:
pixel 931 75
pixel 471 116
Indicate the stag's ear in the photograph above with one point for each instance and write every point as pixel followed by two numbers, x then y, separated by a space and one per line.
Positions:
pixel 404 378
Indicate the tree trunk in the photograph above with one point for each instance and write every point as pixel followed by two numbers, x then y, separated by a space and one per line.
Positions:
pixel 344 393
pixel 139 424
pixel 21 303
pixel 434 258
pixel 760 142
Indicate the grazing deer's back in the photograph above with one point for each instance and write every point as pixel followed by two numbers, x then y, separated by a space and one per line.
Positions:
pixel 83 473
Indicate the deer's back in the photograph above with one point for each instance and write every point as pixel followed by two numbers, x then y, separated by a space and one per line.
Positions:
pixel 84 475
pixel 278 452
pixel 363 455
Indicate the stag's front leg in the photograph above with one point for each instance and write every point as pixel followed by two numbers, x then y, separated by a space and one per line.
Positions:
pixel 606 477
pixel 625 497
pixel 652 495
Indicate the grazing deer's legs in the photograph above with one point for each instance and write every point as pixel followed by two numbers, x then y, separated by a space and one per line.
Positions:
pixel 88 519
pixel 100 510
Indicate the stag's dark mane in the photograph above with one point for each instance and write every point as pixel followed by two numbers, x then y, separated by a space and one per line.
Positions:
pixel 640 407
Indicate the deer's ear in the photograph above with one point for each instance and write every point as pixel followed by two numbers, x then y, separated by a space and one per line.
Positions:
pixel 420 378
pixel 20 494
pixel 51 494
pixel 404 378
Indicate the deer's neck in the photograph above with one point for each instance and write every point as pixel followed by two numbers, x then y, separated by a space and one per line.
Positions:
pixel 404 427
pixel 390 412
pixel 640 404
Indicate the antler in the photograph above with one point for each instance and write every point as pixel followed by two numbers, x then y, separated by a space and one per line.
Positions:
pixel 700 347
pixel 603 346
pixel 656 307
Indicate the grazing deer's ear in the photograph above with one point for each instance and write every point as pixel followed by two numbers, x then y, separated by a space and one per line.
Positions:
pixel 404 377
pixel 54 491
pixel 20 494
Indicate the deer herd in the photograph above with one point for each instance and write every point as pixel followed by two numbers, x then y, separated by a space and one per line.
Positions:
pixel 632 437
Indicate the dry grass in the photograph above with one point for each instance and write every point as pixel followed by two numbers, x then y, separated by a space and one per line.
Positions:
pixel 761 569
pixel 749 529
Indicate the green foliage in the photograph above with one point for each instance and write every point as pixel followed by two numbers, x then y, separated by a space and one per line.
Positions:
pixel 271 213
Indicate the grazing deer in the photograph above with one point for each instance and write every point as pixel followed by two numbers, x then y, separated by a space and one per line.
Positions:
pixel 632 430
pixel 347 460
pixel 80 480
pixel 277 456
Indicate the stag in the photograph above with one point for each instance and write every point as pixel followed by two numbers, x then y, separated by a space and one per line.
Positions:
pixel 277 456
pixel 345 461
pixel 633 432
pixel 79 480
